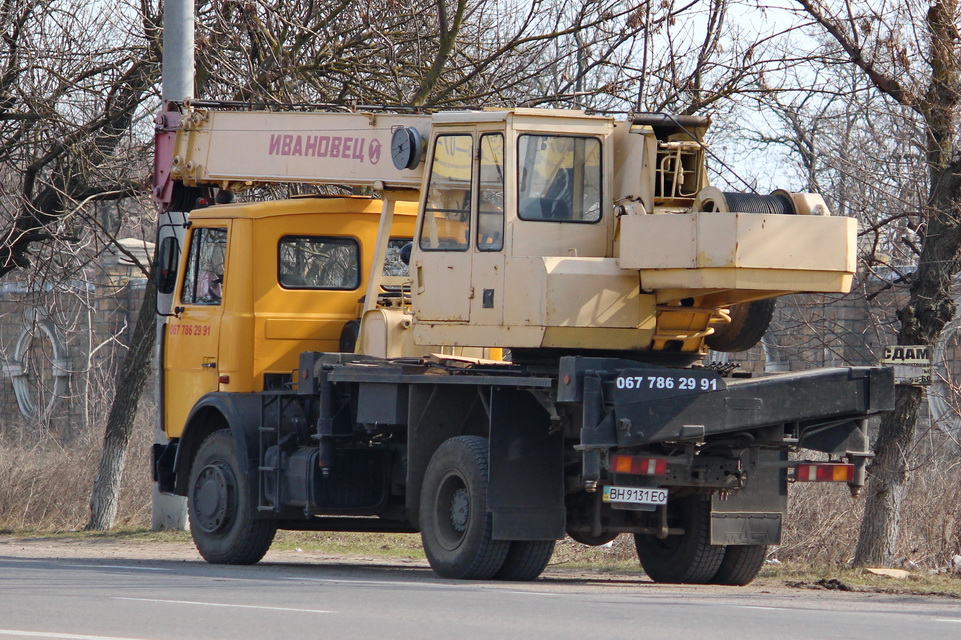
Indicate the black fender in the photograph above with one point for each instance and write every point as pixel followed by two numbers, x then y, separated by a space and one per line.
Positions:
pixel 526 490
pixel 240 413
pixel 526 464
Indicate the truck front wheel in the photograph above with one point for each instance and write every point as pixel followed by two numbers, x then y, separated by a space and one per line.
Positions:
pixel 455 524
pixel 221 522
pixel 687 558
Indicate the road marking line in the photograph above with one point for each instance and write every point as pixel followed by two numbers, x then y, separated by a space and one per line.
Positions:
pixel 220 604
pixel 116 566
pixel 430 585
pixel 390 583
pixel 947 619
pixel 64 636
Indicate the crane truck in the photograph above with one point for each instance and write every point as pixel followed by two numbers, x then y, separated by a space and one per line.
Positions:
pixel 494 336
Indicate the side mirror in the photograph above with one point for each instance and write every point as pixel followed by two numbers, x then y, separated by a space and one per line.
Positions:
pixel 405 253
pixel 168 258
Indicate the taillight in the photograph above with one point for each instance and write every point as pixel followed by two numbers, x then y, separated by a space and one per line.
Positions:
pixel 824 472
pixel 638 465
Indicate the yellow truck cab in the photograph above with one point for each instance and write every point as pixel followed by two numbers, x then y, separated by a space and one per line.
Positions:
pixel 264 282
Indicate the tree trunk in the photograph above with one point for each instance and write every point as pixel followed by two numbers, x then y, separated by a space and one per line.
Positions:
pixel 131 380
pixel 931 303
pixel 929 309
pixel 878 537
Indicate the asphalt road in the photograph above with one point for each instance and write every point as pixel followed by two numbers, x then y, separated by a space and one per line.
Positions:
pixel 106 598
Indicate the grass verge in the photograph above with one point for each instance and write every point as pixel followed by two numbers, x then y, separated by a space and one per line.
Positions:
pixel 827 578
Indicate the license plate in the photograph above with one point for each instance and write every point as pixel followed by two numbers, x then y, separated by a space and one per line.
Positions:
pixel 635 495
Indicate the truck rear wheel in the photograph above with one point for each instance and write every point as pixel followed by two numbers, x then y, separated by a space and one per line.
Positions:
pixel 687 558
pixel 741 564
pixel 749 322
pixel 455 524
pixel 526 560
pixel 221 522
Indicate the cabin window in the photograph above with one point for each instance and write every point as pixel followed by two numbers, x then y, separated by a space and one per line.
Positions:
pixel 559 178
pixel 446 220
pixel 314 262
pixel 394 265
pixel 490 194
pixel 204 275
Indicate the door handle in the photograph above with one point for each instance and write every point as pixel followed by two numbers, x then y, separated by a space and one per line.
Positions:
pixel 209 365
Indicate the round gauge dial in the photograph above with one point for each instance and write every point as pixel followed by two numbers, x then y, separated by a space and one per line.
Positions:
pixel 405 147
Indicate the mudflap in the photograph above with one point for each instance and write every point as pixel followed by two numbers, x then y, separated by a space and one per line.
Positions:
pixel 164 474
pixel 526 477
pixel 753 515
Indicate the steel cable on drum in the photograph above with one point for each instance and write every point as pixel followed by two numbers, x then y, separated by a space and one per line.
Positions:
pixel 756 203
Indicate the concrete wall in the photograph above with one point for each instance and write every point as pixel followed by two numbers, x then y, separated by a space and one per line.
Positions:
pixel 61 344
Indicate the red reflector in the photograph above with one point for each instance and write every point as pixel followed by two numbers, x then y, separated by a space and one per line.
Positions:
pixel 639 466
pixel 824 472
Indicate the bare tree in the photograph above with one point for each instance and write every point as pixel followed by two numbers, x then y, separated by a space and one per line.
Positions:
pixel 134 371
pixel 911 53
pixel 78 87
pixel 71 90
pixel 424 53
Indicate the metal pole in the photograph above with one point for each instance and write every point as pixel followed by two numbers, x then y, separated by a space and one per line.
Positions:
pixel 170 512
pixel 178 53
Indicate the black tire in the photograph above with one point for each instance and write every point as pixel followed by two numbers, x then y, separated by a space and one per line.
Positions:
pixel 689 558
pixel 740 565
pixel 592 541
pixel 749 322
pixel 221 523
pixel 349 336
pixel 454 521
pixel 526 560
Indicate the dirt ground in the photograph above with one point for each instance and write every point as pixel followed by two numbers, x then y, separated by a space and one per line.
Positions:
pixel 144 550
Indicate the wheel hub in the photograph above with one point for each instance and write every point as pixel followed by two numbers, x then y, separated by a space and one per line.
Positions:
pixel 460 510
pixel 452 511
pixel 213 498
